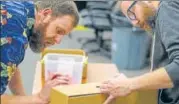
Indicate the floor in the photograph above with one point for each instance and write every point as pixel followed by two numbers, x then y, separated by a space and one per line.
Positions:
pixel 28 66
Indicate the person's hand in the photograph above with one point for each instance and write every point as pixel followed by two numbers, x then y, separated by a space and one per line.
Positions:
pixel 116 87
pixel 52 81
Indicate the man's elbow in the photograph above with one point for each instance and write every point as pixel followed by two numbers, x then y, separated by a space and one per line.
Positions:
pixel 173 71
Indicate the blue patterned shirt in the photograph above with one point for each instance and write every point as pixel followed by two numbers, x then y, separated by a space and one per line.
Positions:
pixel 16 20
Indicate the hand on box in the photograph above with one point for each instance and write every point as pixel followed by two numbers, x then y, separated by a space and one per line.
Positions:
pixel 52 81
pixel 116 87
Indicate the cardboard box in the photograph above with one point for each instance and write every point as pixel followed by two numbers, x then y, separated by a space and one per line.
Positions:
pixel 64 51
pixel 89 94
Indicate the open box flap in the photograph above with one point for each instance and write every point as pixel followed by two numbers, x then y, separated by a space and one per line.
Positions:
pixel 79 89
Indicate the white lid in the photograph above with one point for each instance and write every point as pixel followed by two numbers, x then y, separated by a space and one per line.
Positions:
pixel 68 57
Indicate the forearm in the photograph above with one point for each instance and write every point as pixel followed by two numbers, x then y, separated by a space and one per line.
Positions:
pixel 7 99
pixel 16 85
pixel 158 79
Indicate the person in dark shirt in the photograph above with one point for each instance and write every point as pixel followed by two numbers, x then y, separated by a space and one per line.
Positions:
pixel 164 75
pixel 39 25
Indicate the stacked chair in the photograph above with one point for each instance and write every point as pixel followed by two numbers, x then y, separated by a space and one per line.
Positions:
pixel 96 16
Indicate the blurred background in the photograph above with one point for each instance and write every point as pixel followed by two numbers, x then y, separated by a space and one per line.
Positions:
pixel 106 35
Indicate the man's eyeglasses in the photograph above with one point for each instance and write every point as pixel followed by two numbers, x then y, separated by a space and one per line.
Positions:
pixel 131 15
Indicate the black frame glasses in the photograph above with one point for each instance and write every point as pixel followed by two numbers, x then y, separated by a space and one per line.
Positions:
pixel 131 15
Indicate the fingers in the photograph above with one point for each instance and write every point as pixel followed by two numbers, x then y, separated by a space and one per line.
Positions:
pixel 53 76
pixel 105 88
pixel 58 82
pixel 57 79
pixel 63 78
pixel 109 100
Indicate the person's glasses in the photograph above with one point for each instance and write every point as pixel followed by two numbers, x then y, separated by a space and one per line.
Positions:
pixel 131 15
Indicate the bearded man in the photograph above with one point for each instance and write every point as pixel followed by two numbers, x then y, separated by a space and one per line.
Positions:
pixel 164 74
pixel 39 25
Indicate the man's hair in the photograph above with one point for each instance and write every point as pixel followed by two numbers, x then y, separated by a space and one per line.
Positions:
pixel 60 8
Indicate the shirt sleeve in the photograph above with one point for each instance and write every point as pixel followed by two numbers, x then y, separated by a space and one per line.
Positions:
pixel 12 52
pixel 168 21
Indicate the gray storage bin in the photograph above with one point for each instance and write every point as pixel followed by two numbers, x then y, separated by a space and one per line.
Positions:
pixel 129 44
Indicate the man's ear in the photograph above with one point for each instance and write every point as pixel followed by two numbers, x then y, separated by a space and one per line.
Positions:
pixel 47 13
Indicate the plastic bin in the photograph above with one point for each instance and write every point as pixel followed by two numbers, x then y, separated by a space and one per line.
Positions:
pixel 75 58
pixel 65 64
pixel 129 44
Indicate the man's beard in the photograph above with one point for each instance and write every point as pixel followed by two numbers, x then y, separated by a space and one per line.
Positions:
pixel 36 37
pixel 148 21
pixel 149 24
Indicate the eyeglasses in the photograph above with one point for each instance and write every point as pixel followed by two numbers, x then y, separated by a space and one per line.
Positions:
pixel 131 15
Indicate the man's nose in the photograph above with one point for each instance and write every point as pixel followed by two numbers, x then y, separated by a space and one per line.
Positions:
pixel 58 39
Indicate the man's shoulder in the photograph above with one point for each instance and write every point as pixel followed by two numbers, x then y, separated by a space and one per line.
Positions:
pixel 11 2
pixel 168 9
pixel 19 8
pixel 18 4
pixel 169 3
pixel 17 18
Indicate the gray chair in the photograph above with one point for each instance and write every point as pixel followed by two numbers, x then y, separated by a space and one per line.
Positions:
pixel 97 17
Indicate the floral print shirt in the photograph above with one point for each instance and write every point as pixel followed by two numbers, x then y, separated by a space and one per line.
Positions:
pixel 16 20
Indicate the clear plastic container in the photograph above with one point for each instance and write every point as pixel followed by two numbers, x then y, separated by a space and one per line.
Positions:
pixel 65 64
